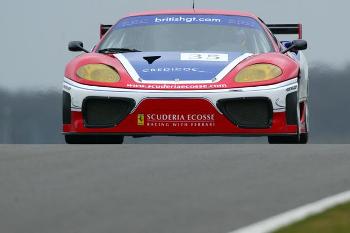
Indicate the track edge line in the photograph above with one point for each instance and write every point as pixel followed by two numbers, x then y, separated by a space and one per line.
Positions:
pixel 282 220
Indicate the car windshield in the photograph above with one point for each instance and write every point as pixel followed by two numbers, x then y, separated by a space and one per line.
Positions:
pixel 188 33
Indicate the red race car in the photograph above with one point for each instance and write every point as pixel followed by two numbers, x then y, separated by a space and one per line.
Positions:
pixel 188 73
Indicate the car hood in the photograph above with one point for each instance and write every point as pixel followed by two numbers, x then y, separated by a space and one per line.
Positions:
pixel 176 66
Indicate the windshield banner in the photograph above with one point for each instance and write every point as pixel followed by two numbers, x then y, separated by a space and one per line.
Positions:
pixel 239 21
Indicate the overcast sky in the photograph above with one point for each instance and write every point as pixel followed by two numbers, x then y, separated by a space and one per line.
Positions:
pixel 35 33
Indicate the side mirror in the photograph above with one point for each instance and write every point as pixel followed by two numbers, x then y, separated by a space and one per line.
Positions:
pixel 297 45
pixel 76 46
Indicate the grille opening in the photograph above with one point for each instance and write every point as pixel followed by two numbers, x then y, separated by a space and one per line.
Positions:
pixel 248 112
pixel 100 112
pixel 66 108
pixel 291 108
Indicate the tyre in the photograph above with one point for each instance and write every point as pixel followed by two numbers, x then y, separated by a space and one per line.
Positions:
pixel 304 138
pixel 94 139
pixel 291 139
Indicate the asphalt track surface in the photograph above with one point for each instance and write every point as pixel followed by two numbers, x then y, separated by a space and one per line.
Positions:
pixel 161 188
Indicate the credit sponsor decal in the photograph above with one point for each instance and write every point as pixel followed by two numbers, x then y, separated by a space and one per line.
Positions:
pixel 176 120
pixel 172 69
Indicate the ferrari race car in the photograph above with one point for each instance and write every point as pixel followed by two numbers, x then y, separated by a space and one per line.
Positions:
pixel 191 73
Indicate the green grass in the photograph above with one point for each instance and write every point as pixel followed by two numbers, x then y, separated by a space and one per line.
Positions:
pixel 336 220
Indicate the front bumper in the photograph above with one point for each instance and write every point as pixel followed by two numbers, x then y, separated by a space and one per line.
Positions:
pixel 162 112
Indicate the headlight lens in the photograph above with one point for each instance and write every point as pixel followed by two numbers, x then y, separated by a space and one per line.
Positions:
pixel 98 73
pixel 258 73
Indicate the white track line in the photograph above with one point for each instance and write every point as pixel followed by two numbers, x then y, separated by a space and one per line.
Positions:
pixel 293 216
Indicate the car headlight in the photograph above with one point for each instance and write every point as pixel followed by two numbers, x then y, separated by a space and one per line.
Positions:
pixel 98 73
pixel 258 73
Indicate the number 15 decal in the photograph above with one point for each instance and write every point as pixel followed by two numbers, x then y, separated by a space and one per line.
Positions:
pixel 204 57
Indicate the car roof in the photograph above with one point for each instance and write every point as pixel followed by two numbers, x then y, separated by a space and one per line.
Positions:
pixel 195 12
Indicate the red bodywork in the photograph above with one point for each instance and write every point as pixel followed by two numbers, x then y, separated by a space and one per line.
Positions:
pixel 289 66
pixel 214 122
pixel 199 117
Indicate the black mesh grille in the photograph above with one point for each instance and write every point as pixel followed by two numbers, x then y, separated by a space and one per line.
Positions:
pixel 106 112
pixel 66 110
pixel 248 112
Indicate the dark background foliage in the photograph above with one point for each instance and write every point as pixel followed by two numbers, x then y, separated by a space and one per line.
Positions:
pixel 35 117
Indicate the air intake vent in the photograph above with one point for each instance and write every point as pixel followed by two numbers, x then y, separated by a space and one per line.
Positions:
pixel 66 110
pixel 251 113
pixel 291 108
pixel 100 112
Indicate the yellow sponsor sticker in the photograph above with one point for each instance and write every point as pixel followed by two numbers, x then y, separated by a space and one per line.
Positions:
pixel 140 119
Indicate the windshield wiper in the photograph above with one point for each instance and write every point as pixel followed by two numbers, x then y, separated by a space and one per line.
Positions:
pixel 118 50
